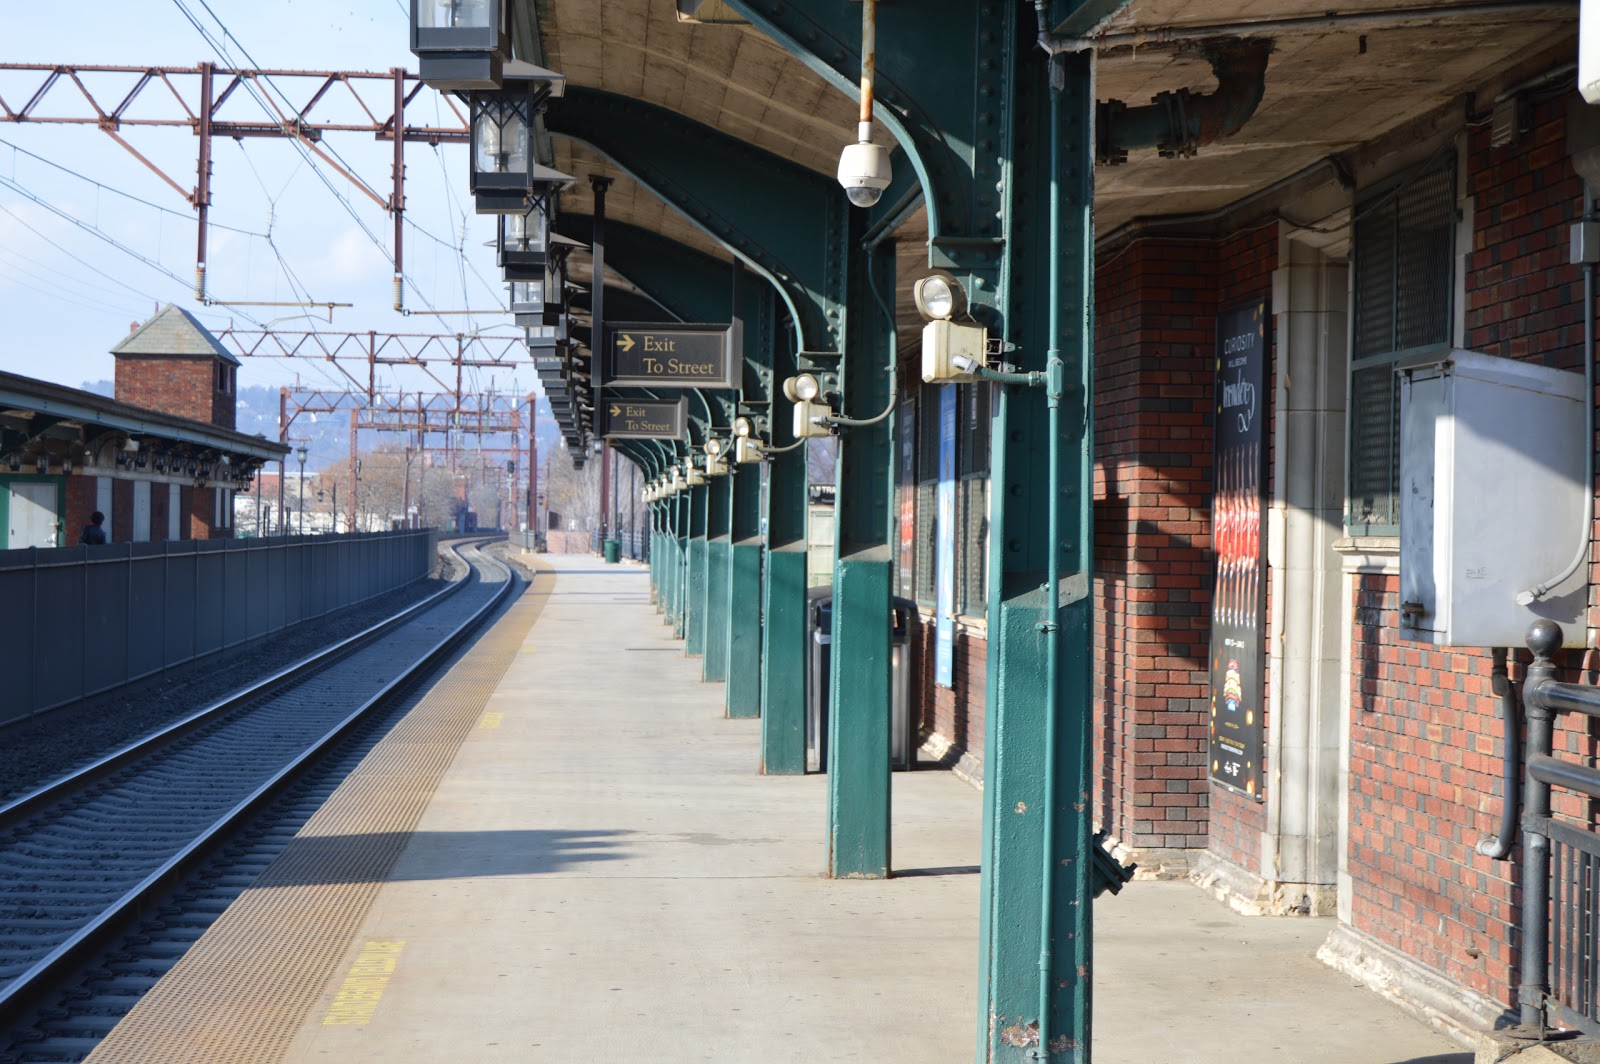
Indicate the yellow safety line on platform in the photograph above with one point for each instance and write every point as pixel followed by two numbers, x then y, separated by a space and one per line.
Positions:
pixel 357 997
pixel 256 977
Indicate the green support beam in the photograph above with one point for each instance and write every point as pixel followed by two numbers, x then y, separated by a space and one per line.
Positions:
pixel 859 705
pixel 789 224
pixel 926 52
pixel 783 635
pixel 753 305
pixel 1007 177
pixel 693 286
pixel 729 189
pixel 782 219
pixel 719 498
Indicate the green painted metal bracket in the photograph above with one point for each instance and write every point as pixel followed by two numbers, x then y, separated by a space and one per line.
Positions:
pixel 785 221
pixel 1082 19
pixel 925 51
pixel 690 284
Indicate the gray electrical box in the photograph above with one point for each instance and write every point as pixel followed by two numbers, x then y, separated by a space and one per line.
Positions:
pixel 1492 500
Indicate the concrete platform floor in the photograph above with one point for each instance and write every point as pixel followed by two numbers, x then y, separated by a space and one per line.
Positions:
pixel 602 875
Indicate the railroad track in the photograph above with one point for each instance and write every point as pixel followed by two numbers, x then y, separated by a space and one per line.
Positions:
pixel 82 858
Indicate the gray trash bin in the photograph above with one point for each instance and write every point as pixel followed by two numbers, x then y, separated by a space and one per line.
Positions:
pixel 903 727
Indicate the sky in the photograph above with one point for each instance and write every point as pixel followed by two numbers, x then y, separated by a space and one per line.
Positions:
pixel 285 225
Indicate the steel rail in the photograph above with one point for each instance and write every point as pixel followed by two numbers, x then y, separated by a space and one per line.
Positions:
pixel 21 992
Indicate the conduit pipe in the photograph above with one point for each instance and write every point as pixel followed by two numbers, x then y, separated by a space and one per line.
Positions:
pixel 1586 531
pixel 1049 623
pixel 1177 124
pixel 894 355
pixel 1500 846
pixel 1147 35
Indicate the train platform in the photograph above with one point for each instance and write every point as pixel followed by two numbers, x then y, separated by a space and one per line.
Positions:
pixel 565 854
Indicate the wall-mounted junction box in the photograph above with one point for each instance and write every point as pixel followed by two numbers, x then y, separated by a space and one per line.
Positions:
pixel 1491 500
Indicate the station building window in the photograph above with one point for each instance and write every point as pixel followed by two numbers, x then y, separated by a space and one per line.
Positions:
pixel 973 406
pixel 1403 295
pixel 927 498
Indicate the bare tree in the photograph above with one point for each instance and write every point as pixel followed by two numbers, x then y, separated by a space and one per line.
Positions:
pixel 575 493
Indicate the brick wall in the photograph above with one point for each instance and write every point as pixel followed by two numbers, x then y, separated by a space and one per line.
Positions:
pixel 80 504
pixel 119 523
pixel 954 714
pixel 183 387
pixel 1156 306
pixel 158 513
pixel 201 507
pixel 1425 743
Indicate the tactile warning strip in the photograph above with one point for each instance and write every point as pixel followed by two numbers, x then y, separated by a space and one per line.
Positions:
pixel 246 987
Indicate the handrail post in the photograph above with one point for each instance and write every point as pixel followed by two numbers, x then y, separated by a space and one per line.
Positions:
pixel 1544 639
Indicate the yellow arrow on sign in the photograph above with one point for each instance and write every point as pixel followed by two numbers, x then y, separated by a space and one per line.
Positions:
pixel 626 343
pixel 615 411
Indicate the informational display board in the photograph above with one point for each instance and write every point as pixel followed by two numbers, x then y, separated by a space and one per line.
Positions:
pixel 1238 538
pixel 945 552
pixel 644 419
pixel 671 355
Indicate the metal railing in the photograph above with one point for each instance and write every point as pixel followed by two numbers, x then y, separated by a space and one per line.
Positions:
pixel 635 544
pixel 84 620
pixel 527 539
pixel 1560 912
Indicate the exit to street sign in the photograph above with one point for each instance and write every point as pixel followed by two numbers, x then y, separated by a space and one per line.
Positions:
pixel 625 419
pixel 671 355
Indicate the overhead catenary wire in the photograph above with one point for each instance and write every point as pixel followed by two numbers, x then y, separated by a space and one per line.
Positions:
pixel 101 186
pixel 255 93
pixel 86 265
pixel 67 216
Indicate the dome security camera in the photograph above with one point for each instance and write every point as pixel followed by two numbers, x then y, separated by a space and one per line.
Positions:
pixel 864 168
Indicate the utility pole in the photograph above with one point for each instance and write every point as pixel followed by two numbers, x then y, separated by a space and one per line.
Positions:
pixel 533 462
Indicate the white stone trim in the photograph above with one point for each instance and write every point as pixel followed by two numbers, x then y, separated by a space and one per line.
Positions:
pixel 1249 894
pixel 1418 990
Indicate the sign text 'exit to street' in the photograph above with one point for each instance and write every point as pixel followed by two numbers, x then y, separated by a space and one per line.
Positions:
pixel 671 355
pixel 644 419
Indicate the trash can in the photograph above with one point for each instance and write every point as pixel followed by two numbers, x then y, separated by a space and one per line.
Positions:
pixel 613 552
pixel 902 726
pixel 819 628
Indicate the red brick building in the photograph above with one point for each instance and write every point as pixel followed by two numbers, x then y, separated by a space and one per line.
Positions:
pixel 1380 756
pixel 161 460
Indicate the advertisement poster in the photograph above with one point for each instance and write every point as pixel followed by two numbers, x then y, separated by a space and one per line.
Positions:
pixel 945 554
pixel 1238 540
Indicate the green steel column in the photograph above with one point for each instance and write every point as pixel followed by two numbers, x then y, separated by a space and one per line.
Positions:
pixel 650 514
pixel 680 615
pixel 695 599
pixel 752 303
pixel 1038 864
pixel 743 696
pixel 719 495
pixel 784 641
pixel 658 554
pixel 676 560
pixel 859 706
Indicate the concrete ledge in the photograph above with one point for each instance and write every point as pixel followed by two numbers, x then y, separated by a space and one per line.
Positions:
pixel 1251 895
pixel 1499 1046
pixel 1155 863
pixel 1463 1015
pixel 963 765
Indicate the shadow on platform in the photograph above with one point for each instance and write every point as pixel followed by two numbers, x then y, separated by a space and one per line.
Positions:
pixel 426 855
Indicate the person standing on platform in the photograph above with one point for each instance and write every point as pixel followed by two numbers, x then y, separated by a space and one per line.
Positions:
pixel 94 533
